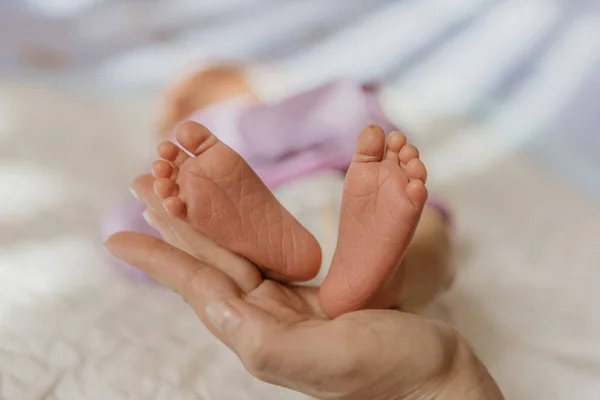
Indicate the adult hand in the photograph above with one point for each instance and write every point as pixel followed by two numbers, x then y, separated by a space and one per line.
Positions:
pixel 282 336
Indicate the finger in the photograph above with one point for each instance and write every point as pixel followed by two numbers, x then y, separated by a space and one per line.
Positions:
pixel 245 274
pixel 172 267
pixel 262 342
pixel 155 221
pixel 197 283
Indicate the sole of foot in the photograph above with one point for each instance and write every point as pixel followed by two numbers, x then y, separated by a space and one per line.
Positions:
pixel 384 196
pixel 207 184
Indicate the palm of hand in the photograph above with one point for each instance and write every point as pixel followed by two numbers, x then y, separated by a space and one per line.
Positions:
pixel 325 346
pixel 289 304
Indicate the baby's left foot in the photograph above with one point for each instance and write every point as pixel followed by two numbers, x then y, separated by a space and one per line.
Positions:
pixel 217 192
pixel 384 196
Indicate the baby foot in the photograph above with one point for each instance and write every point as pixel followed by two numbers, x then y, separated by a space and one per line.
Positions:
pixel 218 193
pixel 384 196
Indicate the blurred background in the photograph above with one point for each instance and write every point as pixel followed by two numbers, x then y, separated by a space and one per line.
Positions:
pixel 503 97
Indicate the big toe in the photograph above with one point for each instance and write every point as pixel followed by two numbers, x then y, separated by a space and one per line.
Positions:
pixel 370 145
pixel 170 152
pixel 195 138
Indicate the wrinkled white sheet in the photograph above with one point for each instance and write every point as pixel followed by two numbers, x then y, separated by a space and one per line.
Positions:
pixel 72 328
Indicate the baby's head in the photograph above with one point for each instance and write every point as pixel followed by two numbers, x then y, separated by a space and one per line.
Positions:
pixel 200 89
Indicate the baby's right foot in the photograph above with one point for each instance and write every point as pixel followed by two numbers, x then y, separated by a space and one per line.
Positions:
pixel 384 195
pixel 218 193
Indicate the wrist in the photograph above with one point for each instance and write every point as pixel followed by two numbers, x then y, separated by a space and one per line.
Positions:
pixel 468 379
pixel 446 369
pixel 441 352
pixel 464 376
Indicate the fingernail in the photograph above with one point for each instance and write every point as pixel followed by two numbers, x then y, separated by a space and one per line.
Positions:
pixel 134 193
pixel 105 245
pixel 223 317
pixel 147 218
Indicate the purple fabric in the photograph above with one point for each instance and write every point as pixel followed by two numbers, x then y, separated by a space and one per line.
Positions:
pixel 310 132
pixel 127 215
pixel 441 208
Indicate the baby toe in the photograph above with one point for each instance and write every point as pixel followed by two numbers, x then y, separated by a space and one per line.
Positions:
pixel 165 188
pixel 175 207
pixel 395 142
pixel 417 193
pixel 415 169
pixel 407 153
pixel 162 169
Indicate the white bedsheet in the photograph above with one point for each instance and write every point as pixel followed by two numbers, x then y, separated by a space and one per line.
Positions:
pixel 72 328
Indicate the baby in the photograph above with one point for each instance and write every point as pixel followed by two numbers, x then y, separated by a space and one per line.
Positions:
pixel 221 186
